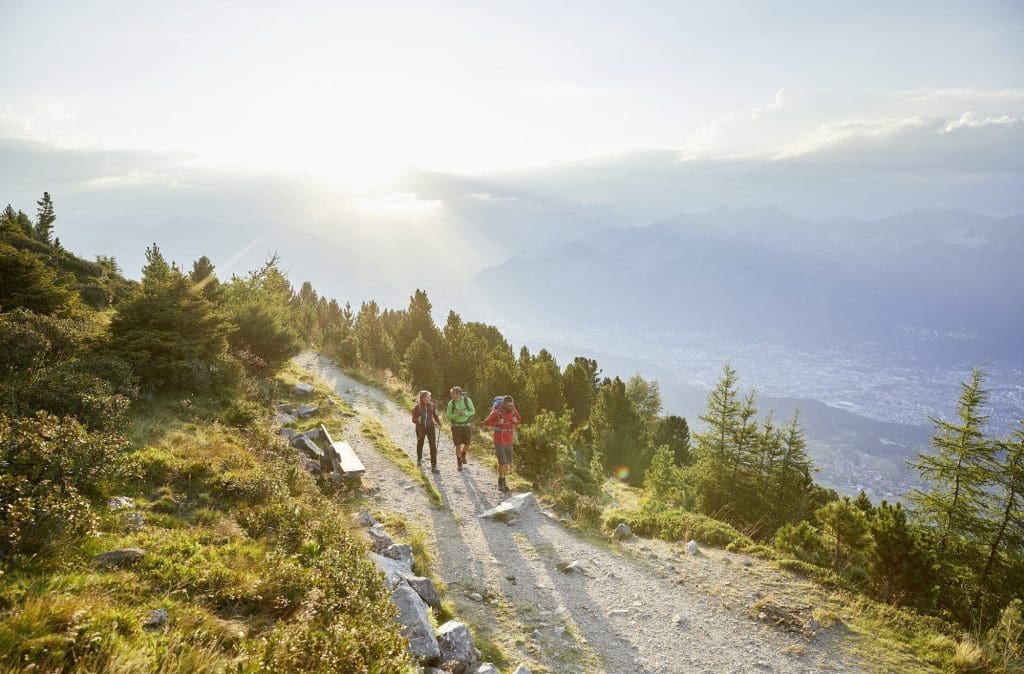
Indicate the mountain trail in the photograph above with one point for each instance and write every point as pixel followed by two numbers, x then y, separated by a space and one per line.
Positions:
pixel 638 606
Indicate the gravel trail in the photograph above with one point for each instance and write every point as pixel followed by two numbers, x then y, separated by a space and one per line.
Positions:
pixel 639 606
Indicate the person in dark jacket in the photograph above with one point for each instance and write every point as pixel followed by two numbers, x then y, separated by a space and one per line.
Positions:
pixel 424 415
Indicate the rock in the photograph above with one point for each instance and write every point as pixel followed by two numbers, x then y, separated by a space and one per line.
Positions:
pixel 747 562
pixel 511 506
pixel 156 619
pixel 122 557
pixel 476 596
pixel 622 532
pixel 302 389
pixel 307 411
pixel 379 538
pixel 521 669
pixel 679 620
pixel 288 408
pixel 691 548
pixel 486 668
pixel 135 522
pixel 456 643
pixel 121 503
pixel 425 589
pixel 288 434
pixel 283 418
pixel 571 567
pixel 400 552
pixel 811 626
pixel 306 444
pixel 365 519
pixel 415 621
pixel 394 571
pixel 619 612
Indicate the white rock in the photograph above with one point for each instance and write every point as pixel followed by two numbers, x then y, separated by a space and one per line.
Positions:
pixel 394 570
pixel 521 669
pixel 302 388
pixel 121 503
pixel 400 552
pixel 455 642
pixel 622 532
pixel 691 548
pixel 476 596
pixel 513 505
pixel 415 620
pixel 486 668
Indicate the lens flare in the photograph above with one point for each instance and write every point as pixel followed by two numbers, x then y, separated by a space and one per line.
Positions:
pixel 622 473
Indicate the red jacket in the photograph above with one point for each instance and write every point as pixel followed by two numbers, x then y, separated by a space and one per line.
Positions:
pixel 504 424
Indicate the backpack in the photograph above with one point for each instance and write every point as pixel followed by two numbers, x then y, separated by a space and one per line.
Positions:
pixel 497 402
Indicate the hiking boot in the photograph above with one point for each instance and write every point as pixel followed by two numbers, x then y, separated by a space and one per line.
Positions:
pixel 419 463
pixel 435 471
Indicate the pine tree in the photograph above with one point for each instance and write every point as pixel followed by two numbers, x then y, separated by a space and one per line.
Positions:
pixel 794 487
pixel 955 471
pixel 715 448
pixel 29 283
pixel 156 268
pixel 664 481
pixel 902 566
pixel 419 366
pixel 579 388
pixel 546 378
pixel 618 432
pixel 45 218
pixel 204 278
pixel 846 533
pixel 417 320
pixel 674 432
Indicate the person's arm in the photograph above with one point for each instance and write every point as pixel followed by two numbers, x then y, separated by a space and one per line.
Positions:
pixel 492 419
pixel 415 414
pixel 517 418
pixel 470 410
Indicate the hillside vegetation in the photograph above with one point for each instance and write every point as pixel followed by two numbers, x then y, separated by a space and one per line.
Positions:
pixel 159 391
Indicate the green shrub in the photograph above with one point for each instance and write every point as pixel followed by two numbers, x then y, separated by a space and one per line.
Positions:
pixel 803 542
pixel 241 414
pixel 48 465
pixel 263 331
pixel 588 511
pixel 677 525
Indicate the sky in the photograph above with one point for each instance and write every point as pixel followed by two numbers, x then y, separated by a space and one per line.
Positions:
pixel 365 125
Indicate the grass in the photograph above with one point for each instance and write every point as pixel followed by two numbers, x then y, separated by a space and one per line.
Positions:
pixel 243 550
pixel 375 432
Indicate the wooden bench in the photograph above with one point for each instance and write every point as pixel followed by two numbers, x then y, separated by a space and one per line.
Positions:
pixel 343 460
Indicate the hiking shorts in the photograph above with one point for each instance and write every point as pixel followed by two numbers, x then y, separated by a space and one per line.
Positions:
pixel 504 453
pixel 461 435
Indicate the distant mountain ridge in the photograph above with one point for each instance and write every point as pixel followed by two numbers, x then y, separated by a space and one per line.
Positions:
pixel 762 271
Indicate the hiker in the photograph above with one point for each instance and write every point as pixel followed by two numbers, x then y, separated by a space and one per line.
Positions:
pixel 460 411
pixel 503 419
pixel 424 415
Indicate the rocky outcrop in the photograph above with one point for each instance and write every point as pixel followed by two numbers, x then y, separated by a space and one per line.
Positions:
pixel 415 620
pixel 456 643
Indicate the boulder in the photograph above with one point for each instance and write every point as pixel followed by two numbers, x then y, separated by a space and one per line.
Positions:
pixel 306 411
pixel 425 589
pixel 282 418
pixel 622 532
pixel 394 571
pixel 486 668
pixel 476 596
pixel 121 503
pixel 288 434
pixel 400 552
pixel 379 539
pixel 691 548
pixel 122 557
pixel 155 619
pixel 521 669
pixel 415 621
pixel 135 522
pixel 456 643
pixel 305 444
pixel 365 519
pixel 302 389
pixel 571 567
pixel 508 508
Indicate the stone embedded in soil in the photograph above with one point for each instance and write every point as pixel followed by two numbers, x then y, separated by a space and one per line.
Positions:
pixel 302 389
pixel 456 643
pixel 622 532
pixel 122 557
pixel 414 617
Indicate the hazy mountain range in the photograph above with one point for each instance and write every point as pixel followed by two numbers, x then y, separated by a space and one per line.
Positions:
pixel 759 272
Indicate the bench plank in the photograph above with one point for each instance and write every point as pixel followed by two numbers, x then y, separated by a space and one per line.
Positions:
pixel 350 463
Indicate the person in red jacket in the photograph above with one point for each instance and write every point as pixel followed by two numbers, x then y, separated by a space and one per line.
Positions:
pixel 424 415
pixel 504 420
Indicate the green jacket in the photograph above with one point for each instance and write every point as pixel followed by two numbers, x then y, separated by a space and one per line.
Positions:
pixel 460 412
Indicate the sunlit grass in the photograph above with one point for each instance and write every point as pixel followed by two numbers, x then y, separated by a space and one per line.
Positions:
pixel 376 433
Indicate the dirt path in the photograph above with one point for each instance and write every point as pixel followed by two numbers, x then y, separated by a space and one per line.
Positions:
pixel 638 607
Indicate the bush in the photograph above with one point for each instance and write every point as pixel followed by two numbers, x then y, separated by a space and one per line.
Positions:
pixel 588 511
pixel 803 542
pixel 677 525
pixel 48 465
pixel 264 332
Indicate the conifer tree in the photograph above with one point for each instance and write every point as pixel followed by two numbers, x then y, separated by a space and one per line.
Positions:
pixel 45 218
pixel 714 451
pixel 955 471
pixel 203 277
pixel 674 432
pixel 1003 544
pixel 902 566
pixel 618 432
pixel 417 320
pixel 579 388
pixel 846 533
pixel 419 366
pixel 546 378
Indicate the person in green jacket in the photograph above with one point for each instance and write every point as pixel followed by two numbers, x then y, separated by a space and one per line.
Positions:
pixel 460 412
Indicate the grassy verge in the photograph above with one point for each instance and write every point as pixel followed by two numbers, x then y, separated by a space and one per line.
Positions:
pixel 373 430
pixel 256 569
